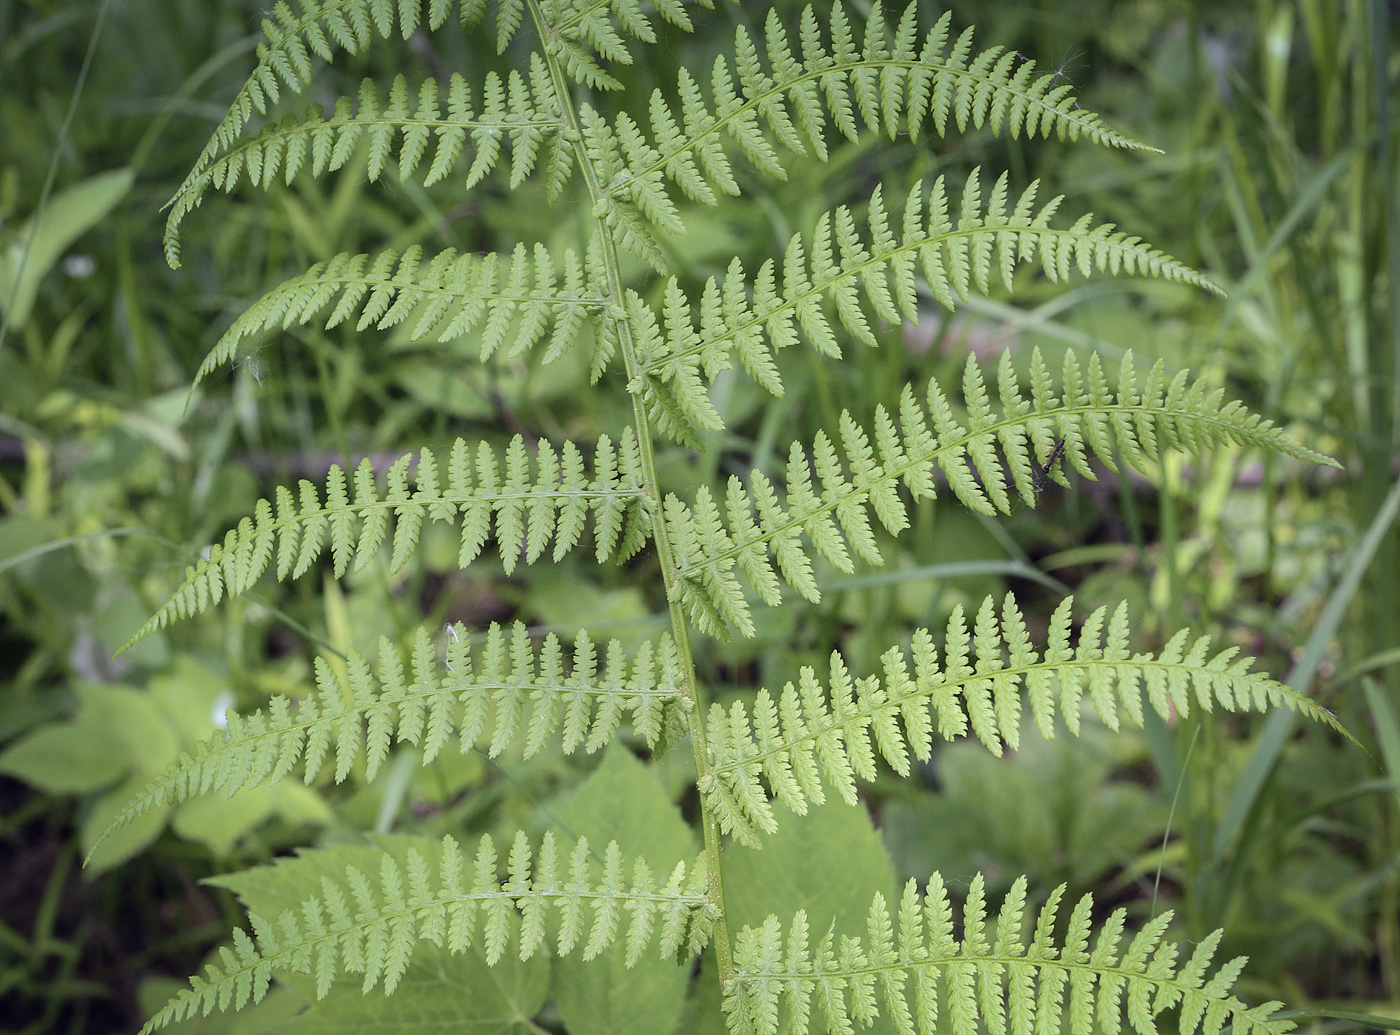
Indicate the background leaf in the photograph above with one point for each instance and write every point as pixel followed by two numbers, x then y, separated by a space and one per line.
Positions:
pixel 28 252
pixel 622 800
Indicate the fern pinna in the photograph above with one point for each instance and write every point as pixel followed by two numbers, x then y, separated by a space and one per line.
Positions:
pixel 561 120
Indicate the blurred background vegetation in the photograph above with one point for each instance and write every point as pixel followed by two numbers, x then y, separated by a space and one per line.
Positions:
pixel 1278 179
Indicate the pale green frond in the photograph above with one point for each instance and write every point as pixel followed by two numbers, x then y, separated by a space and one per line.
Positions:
pixel 780 96
pixel 862 278
pixel 526 501
pixel 491 695
pixel 814 736
pixel 295 32
pixel 981 454
pixel 520 301
pixel 925 978
pixel 370 924
pixel 425 130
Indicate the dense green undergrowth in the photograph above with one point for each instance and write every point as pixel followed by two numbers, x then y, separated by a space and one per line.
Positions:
pixel 1273 183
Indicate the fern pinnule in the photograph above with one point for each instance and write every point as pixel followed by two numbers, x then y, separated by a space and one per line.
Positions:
pixel 986 984
pixel 491 695
pixel 411 123
pixel 519 301
pixel 370 925
pixel 585 31
pixel 526 501
pixel 813 736
pixel 866 278
pixel 979 454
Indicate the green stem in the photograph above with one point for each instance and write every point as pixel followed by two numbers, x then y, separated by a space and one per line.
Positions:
pixel 665 552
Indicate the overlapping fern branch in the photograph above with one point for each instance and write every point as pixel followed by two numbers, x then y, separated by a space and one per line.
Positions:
pixel 370 925
pixel 472 696
pixel 761 105
pixel 813 736
pixel 757 105
pixel 582 31
pixel 765 103
pixel 985 455
pixel 919 974
pixel 526 502
pixel 866 276
pixel 518 300
pixel 524 299
pixel 409 124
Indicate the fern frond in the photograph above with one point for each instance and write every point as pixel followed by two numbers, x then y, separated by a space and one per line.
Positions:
pixel 580 32
pixel 813 736
pixel 520 300
pixel 980 459
pixel 865 277
pixel 474 696
pixel 320 28
pixel 584 31
pixel 758 106
pixel 927 979
pixel 526 502
pixel 369 925
pixel 407 125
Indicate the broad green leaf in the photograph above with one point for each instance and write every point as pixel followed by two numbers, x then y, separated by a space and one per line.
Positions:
pixel 65 758
pixel 439 994
pixel 192 698
pixel 829 862
pixel 219 821
pixel 1053 811
pixel 624 801
pixel 115 731
pixel 68 214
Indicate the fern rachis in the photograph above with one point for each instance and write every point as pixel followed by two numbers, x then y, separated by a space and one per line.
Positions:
pixel 539 502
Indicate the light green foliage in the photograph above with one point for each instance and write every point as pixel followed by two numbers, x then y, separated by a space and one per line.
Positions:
pixel 978 458
pixel 369 924
pixel 430 702
pixel 447 296
pixel 989 977
pixel 813 736
pixel 555 127
pixel 524 508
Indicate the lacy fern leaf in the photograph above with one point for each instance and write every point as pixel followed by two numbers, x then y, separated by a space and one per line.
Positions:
pixel 813 736
pixel 527 502
pixel 981 459
pixel 473 696
pixel 990 979
pixel 780 101
pixel 519 301
pixel 513 109
pixel 637 167
pixel 756 104
pixel 369 925
pixel 582 32
pixel 865 278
